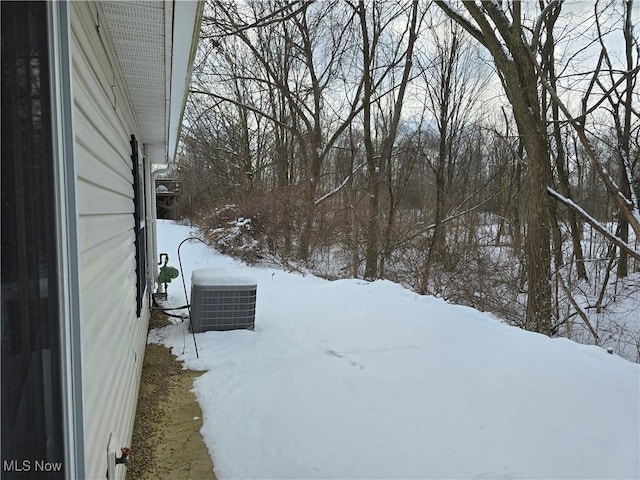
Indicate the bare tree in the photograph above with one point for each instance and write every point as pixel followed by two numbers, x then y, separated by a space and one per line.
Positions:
pixel 313 47
pixel 501 32
pixel 452 80
pixel 617 89
pixel 352 131
pixel 558 150
pixel 374 22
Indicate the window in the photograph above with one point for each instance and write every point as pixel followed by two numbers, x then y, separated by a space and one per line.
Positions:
pixel 139 223
pixel 32 428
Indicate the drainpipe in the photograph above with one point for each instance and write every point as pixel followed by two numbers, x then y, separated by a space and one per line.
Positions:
pixel 162 151
pixel 187 18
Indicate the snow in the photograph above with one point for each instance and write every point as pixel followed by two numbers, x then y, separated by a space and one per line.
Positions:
pixel 351 379
pixel 210 277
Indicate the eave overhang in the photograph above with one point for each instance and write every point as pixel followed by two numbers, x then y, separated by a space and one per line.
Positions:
pixel 154 42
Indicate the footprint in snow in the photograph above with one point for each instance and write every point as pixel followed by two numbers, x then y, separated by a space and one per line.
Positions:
pixel 339 355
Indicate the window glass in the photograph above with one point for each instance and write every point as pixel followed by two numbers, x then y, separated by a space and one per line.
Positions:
pixel 32 438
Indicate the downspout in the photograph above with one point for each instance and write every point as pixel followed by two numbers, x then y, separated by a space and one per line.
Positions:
pixel 171 146
pixel 168 47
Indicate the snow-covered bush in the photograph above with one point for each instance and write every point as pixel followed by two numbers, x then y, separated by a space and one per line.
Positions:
pixel 233 233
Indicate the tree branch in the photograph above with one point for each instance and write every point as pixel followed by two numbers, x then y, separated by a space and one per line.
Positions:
pixel 594 223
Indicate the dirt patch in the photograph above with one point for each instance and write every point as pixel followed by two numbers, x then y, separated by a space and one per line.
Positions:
pixel 166 440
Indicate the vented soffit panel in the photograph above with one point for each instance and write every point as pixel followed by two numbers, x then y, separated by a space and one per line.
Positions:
pixel 136 32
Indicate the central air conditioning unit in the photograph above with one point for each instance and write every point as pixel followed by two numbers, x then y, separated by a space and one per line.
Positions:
pixel 221 300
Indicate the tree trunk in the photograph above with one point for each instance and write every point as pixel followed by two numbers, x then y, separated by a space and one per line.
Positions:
pixel 537 249
pixel 623 262
pixel 371 251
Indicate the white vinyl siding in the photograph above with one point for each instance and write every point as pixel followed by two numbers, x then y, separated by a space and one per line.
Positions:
pixel 113 338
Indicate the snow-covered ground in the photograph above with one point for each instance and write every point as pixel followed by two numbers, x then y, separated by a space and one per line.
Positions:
pixel 353 380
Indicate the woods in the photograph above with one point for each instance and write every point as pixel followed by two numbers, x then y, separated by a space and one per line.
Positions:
pixel 483 152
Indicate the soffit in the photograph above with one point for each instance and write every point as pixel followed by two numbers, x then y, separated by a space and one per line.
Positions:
pixel 137 35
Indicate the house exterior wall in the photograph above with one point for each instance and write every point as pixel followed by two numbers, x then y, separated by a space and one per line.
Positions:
pixel 113 338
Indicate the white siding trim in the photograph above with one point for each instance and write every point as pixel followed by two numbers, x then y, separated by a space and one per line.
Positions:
pixel 67 239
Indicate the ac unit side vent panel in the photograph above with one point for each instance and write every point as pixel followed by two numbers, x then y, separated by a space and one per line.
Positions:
pixel 220 301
